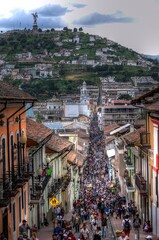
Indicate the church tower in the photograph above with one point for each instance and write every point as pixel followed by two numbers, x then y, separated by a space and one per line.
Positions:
pixel 84 97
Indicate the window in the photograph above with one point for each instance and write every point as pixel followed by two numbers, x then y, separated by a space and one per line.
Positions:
pixel 12 152
pixel 14 218
pixel 4 155
pixel 17 149
pixel 20 208
pixel 25 202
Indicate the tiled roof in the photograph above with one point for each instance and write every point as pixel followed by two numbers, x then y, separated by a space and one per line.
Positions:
pixel 134 136
pixel 109 139
pixel 140 122
pixel 121 101
pixel 57 143
pixel 110 128
pixel 9 92
pixel 36 131
pixel 80 159
pixel 71 157
pixel 153 107
pixel 147 94
pixel 119 106
pixel 82 133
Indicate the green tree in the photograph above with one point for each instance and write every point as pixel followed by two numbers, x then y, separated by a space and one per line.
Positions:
pixel 125 97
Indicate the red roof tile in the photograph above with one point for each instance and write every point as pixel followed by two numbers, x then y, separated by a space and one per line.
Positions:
pixel 9 92
pixel 134 136
pixel 57 143
pixel 36 131
pixel 80 159
pixel 71 157
pixel 110 128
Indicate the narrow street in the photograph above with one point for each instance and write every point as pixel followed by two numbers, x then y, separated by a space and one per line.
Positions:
pixel 99 198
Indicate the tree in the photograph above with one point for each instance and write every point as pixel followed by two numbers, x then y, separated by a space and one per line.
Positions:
pixel 52 29
pixel 39 30
pixel 80 29
pixel 125 97
pixel 65 29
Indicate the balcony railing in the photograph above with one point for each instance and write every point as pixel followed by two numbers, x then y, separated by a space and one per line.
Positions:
pixel 39 186
pixel 55 187
pixel 129 186
pixel 129 164
pixel 141 184
pixel 4 192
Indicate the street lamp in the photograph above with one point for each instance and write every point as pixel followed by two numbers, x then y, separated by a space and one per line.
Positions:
pixel 48 159
pixel 39 172
pixel 23 140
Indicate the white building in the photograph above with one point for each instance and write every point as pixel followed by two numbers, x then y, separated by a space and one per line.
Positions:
pixel 74 110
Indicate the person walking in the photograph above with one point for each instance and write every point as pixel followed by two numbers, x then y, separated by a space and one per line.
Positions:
pixel 77 223
pixel 23 229
pixel 84 233
pixel 136 225
pixel 104 225
pixel 126 223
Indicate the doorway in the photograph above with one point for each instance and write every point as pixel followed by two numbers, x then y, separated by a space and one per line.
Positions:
pixel 5 223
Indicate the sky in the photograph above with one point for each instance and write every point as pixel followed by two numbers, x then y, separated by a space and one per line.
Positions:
pixel 131 23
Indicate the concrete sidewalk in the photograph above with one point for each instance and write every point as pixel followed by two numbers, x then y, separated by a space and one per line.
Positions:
pixel 117 225
pixel 45 233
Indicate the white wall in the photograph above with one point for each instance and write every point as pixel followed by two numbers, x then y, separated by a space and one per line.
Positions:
pixel 84 110
pixel 71 110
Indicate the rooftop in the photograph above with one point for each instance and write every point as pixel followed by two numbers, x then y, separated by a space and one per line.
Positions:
pixel 9 92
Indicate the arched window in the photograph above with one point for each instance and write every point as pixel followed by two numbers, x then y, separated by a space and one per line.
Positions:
pixel 3 157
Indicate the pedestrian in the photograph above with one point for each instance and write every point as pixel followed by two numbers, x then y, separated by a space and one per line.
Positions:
pixel 84 233
pixel 98 234
pixel 126 223
pixel 104 225
pixel 77 223
pixel 71 236
pixel 136 225
pixel 23 229
pixel 2 237
pixel 57 229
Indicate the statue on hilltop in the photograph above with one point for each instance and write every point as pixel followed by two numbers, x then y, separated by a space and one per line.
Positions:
pixel 35 16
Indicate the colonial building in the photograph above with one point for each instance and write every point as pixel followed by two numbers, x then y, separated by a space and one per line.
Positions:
pixel 14 165
pixel 150 152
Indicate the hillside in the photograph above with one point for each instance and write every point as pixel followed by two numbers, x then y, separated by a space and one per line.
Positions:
pixel 54 62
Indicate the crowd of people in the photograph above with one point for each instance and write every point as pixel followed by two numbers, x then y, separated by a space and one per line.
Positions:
pixel 98 202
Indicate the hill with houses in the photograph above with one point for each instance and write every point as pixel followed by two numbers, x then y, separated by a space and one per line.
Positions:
pixel 52 62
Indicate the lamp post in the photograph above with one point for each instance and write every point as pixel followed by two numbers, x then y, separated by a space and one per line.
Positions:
pixel 39 172
pixel 23 140
pixel 48 159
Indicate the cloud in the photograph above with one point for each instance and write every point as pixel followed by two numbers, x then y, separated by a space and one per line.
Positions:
pixel 79 5
pixel 21 19
pixel 52 10
pixel 97 18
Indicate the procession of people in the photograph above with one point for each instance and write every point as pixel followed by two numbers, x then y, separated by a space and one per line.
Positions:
pixel 98 202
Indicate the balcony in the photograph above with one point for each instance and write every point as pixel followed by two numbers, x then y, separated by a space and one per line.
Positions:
pixel 39 186
pixel 129 186
pixel 141 184
pixel 128 163
pixel 4 193
pixel 55 187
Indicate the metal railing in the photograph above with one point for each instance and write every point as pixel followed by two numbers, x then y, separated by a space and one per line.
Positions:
pixel 140 183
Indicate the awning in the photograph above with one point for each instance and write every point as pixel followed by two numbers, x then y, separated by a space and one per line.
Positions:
pixel 111 153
